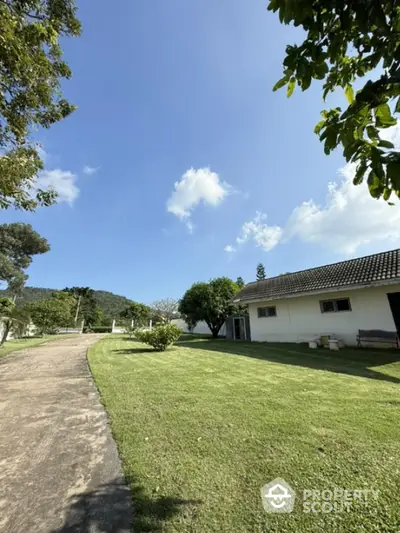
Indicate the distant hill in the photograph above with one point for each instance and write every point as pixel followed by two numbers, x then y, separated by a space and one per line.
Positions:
pixel 111 304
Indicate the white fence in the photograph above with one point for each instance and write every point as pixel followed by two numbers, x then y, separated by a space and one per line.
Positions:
pixel 76 329
pixel 122 328
pixel 31 330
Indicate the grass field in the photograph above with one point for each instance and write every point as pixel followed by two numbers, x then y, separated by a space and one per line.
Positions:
pixel 28 342
pixel 202 427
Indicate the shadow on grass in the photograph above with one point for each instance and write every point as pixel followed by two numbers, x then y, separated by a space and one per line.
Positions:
pixel 113 508
pixel 355 362
pixel 135 350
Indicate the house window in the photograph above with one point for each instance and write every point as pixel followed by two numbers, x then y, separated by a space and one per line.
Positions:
pixel 335 306
pixel 266 311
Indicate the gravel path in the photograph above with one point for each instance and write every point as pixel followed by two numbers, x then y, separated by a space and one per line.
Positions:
pixel 59 467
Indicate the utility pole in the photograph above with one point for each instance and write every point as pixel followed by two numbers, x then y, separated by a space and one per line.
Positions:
pixel 77 309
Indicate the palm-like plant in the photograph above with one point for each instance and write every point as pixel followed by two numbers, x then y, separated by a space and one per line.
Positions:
pixel 12 319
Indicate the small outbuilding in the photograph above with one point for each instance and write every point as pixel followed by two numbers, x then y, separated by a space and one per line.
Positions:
pixel 336 300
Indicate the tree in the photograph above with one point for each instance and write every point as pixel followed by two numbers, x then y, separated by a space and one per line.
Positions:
pixel 12 319
pixel 240 282
pixel 260 272
pixel 166 309
pixel 86 306
pixel 211 302
pixel 31 70
pixel 346 41
pixel 18 243
pixel 50 314
pixel 138 313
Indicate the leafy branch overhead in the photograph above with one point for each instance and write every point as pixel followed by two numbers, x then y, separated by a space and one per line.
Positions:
pixel 347 40
pixel 31 69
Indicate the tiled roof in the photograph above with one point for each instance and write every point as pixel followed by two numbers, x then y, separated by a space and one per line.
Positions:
pixel 361 271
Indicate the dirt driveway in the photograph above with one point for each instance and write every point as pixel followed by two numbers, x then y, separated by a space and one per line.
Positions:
pixel 59 467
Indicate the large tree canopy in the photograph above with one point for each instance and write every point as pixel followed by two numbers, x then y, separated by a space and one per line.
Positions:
pixel 18 243
pixel 31 67
pixel 346 40
pixel 53 313
pixel 211 302
pixel 137 312
pixel 86 305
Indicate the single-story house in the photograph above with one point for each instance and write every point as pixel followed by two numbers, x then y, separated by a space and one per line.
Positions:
pixel 336 300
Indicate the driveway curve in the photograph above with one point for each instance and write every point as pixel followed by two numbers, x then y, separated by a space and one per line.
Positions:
pixel 59 466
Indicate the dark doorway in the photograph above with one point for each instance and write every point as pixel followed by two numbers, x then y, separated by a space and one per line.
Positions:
pixel 394 302
pixel 239 331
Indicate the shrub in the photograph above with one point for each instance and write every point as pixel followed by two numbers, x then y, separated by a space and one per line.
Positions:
pixel 160 337
pixel 130 330
pixel 143 335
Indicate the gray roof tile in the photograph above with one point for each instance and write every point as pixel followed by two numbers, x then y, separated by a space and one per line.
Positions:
pixel 360 271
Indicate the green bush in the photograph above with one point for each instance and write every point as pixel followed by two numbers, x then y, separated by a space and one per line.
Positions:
pixel 160 337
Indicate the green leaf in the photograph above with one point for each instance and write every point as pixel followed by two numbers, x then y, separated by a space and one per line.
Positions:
pixel 397 108
pixel 306 82
pixel 319 126
pixel 393 174
pixel 372 133
pixel 385 144
pixel 384 117
pixel 358 178
pixel 349 93
pixel 375 185
pixel 291 86
pixel 386 194
pixel 279 84
pixel 373 180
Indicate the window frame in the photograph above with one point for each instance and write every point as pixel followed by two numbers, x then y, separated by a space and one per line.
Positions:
pixel 267 313
pixel 335 306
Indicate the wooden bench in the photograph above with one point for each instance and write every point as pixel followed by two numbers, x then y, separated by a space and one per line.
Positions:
pixel 377 335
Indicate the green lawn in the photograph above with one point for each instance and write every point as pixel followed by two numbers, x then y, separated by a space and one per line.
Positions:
pixel 202 427
pixel 20 344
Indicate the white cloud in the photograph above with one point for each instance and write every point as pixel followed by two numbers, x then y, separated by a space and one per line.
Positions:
pixel 196 186
pixel 62 181
pixel 266 237
pixel 89 171
pixel 229 248
pixel 348 219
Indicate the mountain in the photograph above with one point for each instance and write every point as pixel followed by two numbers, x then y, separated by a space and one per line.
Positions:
pixel 111 304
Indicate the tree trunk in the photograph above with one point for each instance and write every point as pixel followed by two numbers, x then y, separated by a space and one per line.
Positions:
pixel 7 327
pixel 77 309
pixel 214 329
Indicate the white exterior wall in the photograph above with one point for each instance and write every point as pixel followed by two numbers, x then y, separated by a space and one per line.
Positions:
pixel 200 329
pixel 300 319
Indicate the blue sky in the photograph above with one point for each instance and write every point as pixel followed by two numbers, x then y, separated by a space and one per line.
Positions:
pixel 166 87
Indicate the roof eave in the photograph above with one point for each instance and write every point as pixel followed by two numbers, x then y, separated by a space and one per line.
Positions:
pixel 378 283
